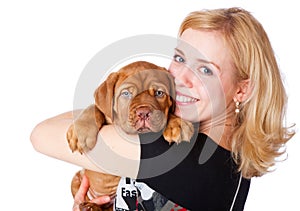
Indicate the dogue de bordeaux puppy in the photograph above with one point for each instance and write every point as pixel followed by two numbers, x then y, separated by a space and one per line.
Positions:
pixel 139 98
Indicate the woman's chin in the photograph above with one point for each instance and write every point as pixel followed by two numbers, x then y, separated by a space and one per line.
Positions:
pixel 186 115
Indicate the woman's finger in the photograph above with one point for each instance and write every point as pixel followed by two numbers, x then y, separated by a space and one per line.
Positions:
pixel 81 193
pixel 83 189
pixel 101 200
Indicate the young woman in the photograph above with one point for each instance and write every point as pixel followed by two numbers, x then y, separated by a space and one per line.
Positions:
pixel 227 79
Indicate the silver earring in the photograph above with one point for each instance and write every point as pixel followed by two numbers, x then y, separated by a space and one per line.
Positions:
pixel 237 106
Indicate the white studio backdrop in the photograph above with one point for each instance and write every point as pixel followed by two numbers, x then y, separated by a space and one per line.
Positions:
pixel 44 46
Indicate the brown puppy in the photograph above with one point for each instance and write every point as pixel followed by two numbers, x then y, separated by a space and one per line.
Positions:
pixel 139 99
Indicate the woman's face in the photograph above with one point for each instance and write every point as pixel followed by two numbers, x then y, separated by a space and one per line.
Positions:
pixel 204 77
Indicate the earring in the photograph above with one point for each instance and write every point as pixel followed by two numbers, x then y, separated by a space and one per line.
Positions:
pixel 237 106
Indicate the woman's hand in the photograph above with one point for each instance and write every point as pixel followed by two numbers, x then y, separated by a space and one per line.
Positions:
pixel 81 195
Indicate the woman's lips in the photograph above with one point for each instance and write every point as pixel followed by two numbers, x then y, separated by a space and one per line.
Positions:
pixel 182 99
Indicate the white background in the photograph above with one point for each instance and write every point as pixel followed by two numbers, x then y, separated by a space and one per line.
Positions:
pixel 44 46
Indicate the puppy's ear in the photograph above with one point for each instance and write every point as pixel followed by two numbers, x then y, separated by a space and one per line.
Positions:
pixel 173 106
pixel 104 95
pixel 172 93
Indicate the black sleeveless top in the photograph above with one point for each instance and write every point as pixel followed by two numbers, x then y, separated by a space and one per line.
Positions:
pixel 199 175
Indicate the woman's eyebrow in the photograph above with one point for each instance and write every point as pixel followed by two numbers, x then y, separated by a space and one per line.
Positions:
pixel 201 60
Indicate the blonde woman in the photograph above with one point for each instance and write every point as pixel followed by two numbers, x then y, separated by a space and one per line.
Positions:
pixel 227 79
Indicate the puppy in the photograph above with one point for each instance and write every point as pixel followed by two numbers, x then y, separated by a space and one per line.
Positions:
pixel 138 98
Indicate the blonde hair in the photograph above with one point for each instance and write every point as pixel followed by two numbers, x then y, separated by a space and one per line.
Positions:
pixel 260 134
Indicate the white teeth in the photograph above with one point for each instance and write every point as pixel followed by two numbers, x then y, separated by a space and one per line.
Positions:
pixel 185 99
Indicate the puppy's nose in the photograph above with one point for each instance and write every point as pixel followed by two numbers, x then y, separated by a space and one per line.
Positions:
pixel 143 112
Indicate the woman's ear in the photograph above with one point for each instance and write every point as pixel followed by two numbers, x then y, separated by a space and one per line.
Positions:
pixel 244 90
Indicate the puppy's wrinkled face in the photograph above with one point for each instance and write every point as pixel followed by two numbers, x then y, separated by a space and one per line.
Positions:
pixel 142 101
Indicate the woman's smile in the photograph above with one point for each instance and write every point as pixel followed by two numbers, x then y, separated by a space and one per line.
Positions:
pixel 182 99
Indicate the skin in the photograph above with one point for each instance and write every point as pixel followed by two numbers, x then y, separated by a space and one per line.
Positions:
pixel 209 81
pixel 206 83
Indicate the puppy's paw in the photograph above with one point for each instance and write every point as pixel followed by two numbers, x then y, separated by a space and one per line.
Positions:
pixel 72 138
pixel 81 138
pixel 178 130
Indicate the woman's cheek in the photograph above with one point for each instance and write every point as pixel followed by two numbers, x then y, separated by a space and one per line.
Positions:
pixel 171 69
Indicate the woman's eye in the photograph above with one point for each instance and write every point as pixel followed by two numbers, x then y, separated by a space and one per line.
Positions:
pixel 206 71
pixel 159 93
pixel 126 93
pixel 178 58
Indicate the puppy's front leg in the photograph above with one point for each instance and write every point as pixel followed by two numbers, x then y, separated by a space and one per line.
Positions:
pixel 82 134
pixel 178 130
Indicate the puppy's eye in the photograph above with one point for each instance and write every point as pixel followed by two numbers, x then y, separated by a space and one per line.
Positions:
pixel 126 93
pixel 159 93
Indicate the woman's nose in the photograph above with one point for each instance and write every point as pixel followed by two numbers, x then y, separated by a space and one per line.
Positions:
pixel 183 77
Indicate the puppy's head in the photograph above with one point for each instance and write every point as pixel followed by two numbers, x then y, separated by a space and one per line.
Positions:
pixel 138 97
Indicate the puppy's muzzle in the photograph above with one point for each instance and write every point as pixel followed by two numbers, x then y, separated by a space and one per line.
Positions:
pixel 147 119
pixel 143 113
pixel 146 115
pixel 143 116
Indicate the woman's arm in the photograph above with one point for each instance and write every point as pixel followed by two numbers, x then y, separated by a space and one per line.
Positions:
pixel 49 138
pixel 113 153
pixel 116 152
